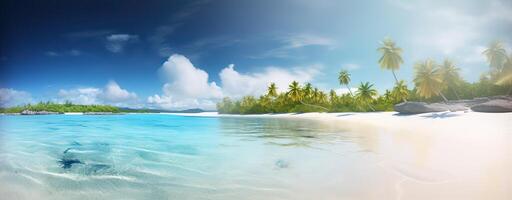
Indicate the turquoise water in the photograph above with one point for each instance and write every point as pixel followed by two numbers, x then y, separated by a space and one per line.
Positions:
pixel 157 156
pixel 153 156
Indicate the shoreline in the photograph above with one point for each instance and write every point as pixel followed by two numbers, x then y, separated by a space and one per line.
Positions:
pixel 439 122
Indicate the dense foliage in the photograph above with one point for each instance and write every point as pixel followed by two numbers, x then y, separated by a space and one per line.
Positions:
pixel 433 82
pixel 61 108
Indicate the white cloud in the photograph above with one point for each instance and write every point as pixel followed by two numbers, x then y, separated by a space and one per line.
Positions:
pixel 159 39
pixel 111 94
pixel 235 84
pixel 186 86
pixel 72 52
pixel 84 96
pixel 297 41
pixel 117 42
pixel 350 66
pixel 303 40
pixel 114 93
pixel 75 52
pixel 456 29
pixel 10 97
pixel 341 91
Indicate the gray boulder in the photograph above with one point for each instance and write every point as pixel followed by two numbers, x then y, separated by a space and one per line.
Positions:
pixel 495 105
pixel 412 107
pixel 30 112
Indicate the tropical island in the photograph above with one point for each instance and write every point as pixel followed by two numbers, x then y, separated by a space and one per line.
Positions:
pixel 48 107
pixel 433 82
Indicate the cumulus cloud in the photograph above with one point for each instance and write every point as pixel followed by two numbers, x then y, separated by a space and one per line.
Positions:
pixel 112 94
pixel 10 97
pixel 117 42
pixel 186 86
pixel 85 96
pixel 235 84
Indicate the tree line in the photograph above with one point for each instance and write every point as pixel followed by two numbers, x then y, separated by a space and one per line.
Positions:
pixel 61 108
pixel 433 82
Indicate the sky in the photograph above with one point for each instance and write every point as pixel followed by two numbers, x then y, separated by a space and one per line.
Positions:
pixel 190 54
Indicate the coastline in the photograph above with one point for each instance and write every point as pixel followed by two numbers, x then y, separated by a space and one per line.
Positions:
pixel 439 122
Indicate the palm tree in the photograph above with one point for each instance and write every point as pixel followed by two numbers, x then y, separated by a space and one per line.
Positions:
pixel 428 79
pixel 496 56
pixel 322 97
pixel 333 97
pixel 391 56
pixel 308 89
pixel 365 93
pixel 294 91
pixel 506 75
pixel 388 95
pixel 272 90
pixel 344 79
pixel 400 91
pixel 315 95
pixel 451 76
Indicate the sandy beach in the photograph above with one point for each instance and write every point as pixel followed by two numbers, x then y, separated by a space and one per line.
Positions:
pixel 446 155
pixel 441 122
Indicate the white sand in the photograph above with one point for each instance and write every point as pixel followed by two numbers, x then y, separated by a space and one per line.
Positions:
pixel 446 155
pixel 442 122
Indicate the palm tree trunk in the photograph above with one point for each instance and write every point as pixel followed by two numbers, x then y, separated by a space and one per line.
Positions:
pixel 444 98
pixel 350 91
pixel 396 82
pixel 394 75
pixel 371 107
pixel 455 92
pixel 313 105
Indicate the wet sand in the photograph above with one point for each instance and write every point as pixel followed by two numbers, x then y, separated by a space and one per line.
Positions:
pixel 447 155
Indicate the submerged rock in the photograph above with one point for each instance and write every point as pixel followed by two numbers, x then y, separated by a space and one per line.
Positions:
pixel 96 169
pixel 412 107
pixel 281 164
pixel 67 163
pixel 496 105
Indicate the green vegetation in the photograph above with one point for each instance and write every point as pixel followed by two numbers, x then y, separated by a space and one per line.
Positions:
pixel 61 108
pixel 432 83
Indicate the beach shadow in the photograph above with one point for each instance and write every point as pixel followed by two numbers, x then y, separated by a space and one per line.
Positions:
pixel 345 114
pixel 441 115
pixel 404 115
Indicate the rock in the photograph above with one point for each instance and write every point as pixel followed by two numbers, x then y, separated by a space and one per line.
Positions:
pixel 495 105
pixel 412 107
pixel 67 163
pixel 30 112
pixel 100 113
pixel 457 107
pixel 281 164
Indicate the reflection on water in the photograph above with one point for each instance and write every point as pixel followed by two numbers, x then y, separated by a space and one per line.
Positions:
pixel 171 157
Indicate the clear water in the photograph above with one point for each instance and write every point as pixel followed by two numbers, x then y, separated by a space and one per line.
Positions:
pixel 152 156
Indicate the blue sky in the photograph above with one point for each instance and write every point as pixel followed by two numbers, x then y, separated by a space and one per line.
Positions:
pixel 120 52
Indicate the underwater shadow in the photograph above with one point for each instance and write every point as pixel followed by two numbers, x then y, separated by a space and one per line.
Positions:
pixel 441 115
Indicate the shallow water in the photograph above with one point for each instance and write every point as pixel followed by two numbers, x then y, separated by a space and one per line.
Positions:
pixel 153 156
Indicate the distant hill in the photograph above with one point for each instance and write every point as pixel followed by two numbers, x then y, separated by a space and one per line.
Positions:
pixel 193 110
